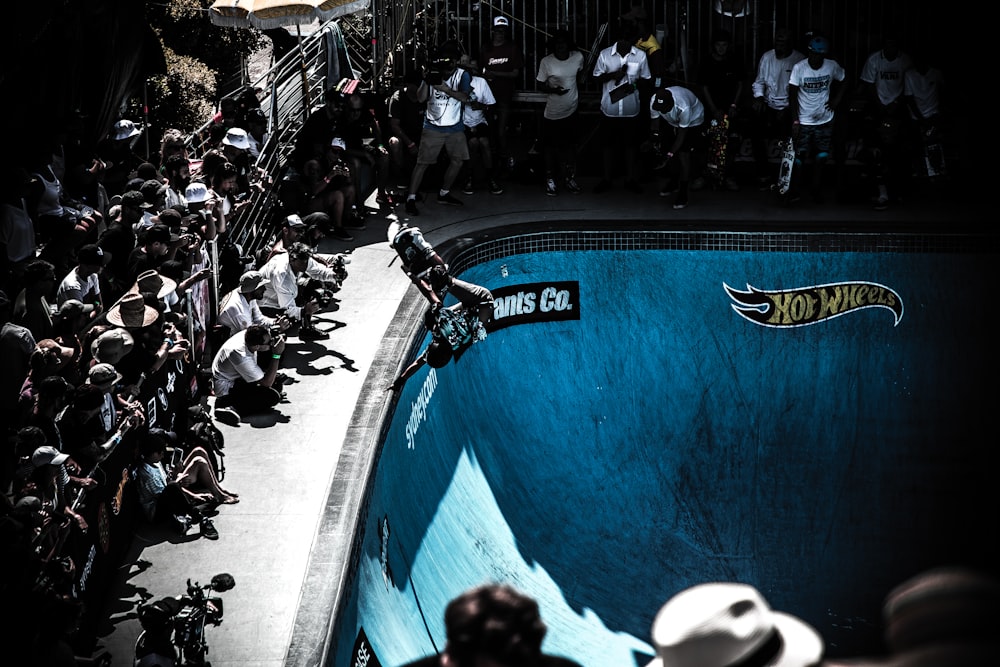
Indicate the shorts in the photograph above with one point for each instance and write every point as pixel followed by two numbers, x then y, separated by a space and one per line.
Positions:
pixel 814 140
pixel 561 131
pixel 432 141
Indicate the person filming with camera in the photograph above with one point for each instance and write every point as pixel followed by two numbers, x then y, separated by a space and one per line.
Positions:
pixel 298 287
pixel 446 87
pixel 240 385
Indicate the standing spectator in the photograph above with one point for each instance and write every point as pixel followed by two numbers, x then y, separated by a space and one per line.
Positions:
pixel 17 229
pixel 730 624
pixel 887 123
pixel 684 113
pixel 477 130
pixel 83 282
pixel 502 62
pixel 559 75
pixel 240 385
pixel 721 87
pixel 31 307
pixel 172 142
pixel 494 625
pixel 618 70
pixel 815 88
pixel 443 126
pixel 158 245
pixel 16 346
pixel 177 171
pixel 771 119
pixel 256 123
pixel 117 154
pixel 118 241
pixel 406 121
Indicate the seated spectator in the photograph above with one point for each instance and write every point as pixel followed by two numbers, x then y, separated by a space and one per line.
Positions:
pixel 240 385
pixel 331 192
pixel 730 624
pixel 364 139
pixel 493 625
pixel 179 496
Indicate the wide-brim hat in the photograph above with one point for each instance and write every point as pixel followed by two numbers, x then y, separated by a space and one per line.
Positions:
pixel 153 281
pixel 111 346
pixel 125 129
pixel 237 138
pixel 103 375
pixel 132 312
pixel 725 623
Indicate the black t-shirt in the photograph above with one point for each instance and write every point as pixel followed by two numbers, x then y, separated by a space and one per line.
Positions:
pixel 409 113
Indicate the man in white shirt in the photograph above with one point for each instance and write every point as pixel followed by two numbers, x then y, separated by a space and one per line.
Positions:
pixel 477 130
pixel 239 384
pixel 620 70
pixel 815 88
pixel 771 116
pixel 559 77
pixel 239 309
pixel 283 294
pixel 83 281
pixel 681 109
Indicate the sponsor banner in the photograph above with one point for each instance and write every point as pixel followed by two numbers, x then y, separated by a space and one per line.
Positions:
pixel 535 302
pixel 800 306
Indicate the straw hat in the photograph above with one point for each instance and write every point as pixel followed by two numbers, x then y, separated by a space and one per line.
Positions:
pixel 153 281
pixel 132 312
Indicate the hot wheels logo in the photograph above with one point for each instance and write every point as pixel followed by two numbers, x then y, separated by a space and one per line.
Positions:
pixel 809 305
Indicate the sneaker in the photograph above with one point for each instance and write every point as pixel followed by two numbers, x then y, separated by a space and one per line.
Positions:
pixel 668 189
pixel 603 186
pixel 881 204
pixel 181 523
pixel 467 188
pixel 495 188
pixel 341 234
pixel 681 201
pixel 208 530
pixel 227 415
pixel 699 183
pixel 411 207
pixel 312 333
pixel 572 185
pixel 633 187
pixel 448 200
pixel 550 187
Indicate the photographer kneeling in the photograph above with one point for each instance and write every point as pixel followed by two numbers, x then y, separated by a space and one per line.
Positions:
pixel 298 287
pixel 240 385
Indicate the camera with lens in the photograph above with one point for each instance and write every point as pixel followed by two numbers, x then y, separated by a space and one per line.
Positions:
pixel 435 75
pixel 339 266
pixel 275 331
pixel 319 291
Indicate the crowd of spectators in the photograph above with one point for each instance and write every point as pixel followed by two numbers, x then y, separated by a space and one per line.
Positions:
pixel 110 290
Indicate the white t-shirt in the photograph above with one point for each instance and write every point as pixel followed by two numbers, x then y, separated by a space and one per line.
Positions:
pixel 481 92
pixel 772 78
pixel 887 75
pixel 73 287
pixel 814 89
pixel 636 67
pixel 562 74
pixel 925 90
pixel 688 111
pixel 232 362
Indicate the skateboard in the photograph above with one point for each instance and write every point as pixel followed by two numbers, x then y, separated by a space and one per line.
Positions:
pixel 718 139
pixel 933 154
pixel 786 166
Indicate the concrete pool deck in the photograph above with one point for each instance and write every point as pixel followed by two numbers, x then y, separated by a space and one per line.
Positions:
pixel 292 522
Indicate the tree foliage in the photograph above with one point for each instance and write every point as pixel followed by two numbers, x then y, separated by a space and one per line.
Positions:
pixel 200 57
